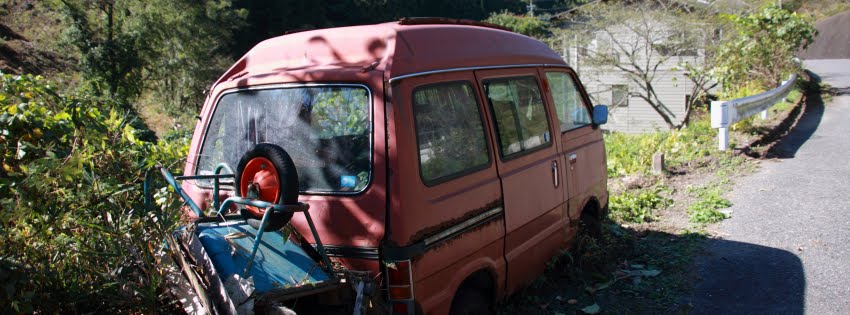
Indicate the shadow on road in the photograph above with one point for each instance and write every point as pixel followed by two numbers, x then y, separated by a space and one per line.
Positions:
pixel 742 278
pixel 787 147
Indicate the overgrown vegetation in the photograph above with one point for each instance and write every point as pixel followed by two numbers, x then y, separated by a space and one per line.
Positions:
pixel 760 52
pixel 75 234
pixel 637 207
pixel 525 25
pixel 632 153
pixel 77 238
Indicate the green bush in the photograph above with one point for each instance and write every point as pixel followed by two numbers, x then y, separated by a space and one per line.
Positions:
pixel 75 234
pixel 637 207
pixel 526 25
pixel 632 153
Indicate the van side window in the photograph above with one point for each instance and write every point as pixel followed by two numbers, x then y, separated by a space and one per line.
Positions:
pixel 572 113
pixel 449 131
pixel 520 116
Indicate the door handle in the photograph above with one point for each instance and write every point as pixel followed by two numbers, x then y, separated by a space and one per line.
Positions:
pixel 555 174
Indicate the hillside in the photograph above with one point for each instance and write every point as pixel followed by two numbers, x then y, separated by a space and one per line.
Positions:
pixel 833 40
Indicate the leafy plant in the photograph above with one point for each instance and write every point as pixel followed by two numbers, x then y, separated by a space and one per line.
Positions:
pixel 637 207
pixel 76 236
pixel 761 49
pixel 705 209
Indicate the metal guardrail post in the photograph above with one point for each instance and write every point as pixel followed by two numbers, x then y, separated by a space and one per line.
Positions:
pixel 720 120
pixel 726 113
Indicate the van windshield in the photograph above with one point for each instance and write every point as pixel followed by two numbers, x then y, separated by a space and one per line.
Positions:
pixel 325 129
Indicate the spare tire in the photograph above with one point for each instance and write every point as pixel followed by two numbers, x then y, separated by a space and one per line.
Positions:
pixel 271 175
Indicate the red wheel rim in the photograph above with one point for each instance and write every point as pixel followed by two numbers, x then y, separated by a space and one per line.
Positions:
pixel 261 172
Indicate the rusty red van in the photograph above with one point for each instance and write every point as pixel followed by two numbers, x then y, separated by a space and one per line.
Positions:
pixel 448 159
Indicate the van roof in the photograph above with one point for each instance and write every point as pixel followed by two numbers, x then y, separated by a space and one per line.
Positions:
pixel 397 48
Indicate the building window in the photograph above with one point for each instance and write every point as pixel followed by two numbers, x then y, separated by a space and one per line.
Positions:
pixel 619 95
pixel 449 131
pixel 521 121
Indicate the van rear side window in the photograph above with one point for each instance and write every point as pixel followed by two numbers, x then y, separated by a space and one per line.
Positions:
pixel 520 115
pixel 449 131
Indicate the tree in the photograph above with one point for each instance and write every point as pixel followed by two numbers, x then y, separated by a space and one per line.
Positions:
pixel 110 56
pixel 526 25
pixel 760 51
pixel 167 50
pixel 645 40
pixel 269 18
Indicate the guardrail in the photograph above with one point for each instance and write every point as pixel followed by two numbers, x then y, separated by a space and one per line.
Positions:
pixel 726 113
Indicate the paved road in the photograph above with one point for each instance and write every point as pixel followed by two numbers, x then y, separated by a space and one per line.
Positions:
pixel 786 249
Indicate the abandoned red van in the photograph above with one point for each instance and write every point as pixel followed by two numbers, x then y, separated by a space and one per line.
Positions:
pixel 448 159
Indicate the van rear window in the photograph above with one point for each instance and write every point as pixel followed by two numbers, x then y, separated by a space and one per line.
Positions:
pixel 325 129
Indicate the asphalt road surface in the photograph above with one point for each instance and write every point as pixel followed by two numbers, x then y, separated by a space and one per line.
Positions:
pixel 786 248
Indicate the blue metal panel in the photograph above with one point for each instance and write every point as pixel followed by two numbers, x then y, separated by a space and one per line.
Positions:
pixel 278 264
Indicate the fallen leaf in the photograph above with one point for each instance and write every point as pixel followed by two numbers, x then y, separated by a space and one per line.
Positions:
pixel 592 309
pixel 650 273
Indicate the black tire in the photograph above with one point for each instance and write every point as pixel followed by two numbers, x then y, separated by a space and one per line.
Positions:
pixel 469 301
pixel 288 177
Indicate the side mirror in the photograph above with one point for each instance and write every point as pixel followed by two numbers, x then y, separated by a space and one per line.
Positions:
pixel 600 114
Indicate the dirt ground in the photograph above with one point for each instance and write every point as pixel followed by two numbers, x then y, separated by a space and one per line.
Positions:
pixel 648 267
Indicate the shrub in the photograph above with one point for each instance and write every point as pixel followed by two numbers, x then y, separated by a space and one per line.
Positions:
pixel 76 236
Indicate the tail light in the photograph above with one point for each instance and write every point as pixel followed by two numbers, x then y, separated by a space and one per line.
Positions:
pixel 400 287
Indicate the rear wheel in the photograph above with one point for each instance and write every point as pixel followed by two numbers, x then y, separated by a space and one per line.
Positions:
pixel 469 301
pixel 266 172
pixel 589 231
pixel 590 223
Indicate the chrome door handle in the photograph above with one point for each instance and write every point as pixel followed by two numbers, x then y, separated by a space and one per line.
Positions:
pixel 555 174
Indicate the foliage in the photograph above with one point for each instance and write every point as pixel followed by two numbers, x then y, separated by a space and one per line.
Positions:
pixel 632 153
pixel 645 43
pixel 761 49
pixel 709 201
pixel 526 25
pixel 167 51
pixel 75 234
pixel 637 207
pixel 269 18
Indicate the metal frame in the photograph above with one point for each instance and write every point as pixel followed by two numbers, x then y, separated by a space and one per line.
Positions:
pixel 268 206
